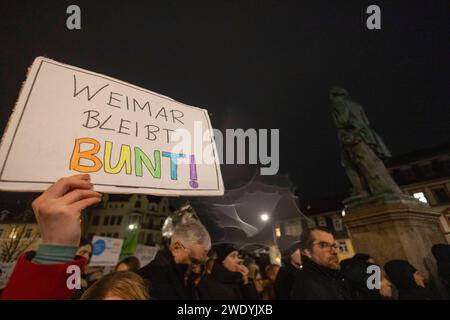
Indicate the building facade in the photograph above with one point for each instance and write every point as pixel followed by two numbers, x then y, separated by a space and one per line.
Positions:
pixel 117 215
pixel 19 233
pixel 424 175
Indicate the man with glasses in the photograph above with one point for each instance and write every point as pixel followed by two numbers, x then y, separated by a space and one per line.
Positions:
pixel 320 278
pixel 167 274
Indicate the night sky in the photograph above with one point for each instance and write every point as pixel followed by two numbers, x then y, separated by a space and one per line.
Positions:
pixel 256 64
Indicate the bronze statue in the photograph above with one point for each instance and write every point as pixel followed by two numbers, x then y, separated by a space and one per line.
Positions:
pixel 362 150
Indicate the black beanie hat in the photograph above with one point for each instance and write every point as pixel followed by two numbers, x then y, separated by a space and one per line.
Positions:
pixel 224 249
pixel 401 273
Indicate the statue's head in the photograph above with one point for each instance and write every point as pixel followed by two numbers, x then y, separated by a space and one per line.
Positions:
pixel 338 93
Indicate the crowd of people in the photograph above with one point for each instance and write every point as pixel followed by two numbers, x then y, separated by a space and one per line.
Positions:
pixel 191 268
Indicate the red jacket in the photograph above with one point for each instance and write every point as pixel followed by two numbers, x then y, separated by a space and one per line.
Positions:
pixel 32 281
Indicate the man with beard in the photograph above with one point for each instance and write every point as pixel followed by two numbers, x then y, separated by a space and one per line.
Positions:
pixel 320 278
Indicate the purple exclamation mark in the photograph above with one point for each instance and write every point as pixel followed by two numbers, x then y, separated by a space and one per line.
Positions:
pixel 193 183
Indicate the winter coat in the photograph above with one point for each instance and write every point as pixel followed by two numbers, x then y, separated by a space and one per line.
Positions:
pixel 316 282
pixel 166 279
pixel 222 284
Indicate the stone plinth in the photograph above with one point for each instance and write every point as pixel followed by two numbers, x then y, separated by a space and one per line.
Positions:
pixel 393 227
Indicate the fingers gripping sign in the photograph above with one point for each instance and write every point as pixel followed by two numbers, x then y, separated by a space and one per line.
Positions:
pixel 58 209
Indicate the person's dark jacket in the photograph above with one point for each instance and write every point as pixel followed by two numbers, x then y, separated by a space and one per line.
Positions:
pixel 222 284
pixel 166 278
pixel 285 281
pixel 441 253
pixel 316 282
pixel 356 276
pixel 401 274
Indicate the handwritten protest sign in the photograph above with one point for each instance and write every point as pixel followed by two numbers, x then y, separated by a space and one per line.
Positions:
pixel 68 120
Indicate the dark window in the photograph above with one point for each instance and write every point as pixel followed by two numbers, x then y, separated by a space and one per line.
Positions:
pixel 28 234
pixel 105 220
pixel 119 220
pixel 95 220
pixel 141 237
pixel 112 221
pixel 441 195
pixel 102 234
pixel 90 236
pixel 138 204
pixel 149 239
pixel 116 235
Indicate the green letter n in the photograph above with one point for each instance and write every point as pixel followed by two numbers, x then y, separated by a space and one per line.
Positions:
pixel 141 157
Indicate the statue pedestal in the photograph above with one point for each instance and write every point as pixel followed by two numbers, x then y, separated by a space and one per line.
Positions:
pixel 390 226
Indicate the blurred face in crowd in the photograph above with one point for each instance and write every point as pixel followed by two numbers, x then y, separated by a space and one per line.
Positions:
pixel 272 272
pixel 324 250
pixel 122 267
pixel 85 251
pixel 195 254
pixel 197 269
pixel 232 262
pixel 259 282
pixel 385 288
pixel 420 279
pixel 296 258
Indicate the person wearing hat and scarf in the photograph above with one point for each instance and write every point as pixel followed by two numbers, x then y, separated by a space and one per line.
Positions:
pixel 292 265
pixel 228 279
pixel 408 281
pixel 441 253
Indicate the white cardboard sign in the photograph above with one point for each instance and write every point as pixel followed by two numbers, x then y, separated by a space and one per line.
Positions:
pixel 105 251
pixel 68 120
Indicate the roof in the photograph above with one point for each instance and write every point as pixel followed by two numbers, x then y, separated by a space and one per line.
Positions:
pixel 418 155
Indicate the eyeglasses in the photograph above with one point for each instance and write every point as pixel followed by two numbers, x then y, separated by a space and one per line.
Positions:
pixel 194 260
pixel 326 245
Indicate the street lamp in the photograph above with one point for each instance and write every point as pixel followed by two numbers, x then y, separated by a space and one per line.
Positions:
pixel 264 217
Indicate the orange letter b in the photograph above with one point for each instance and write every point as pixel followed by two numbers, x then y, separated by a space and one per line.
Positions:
pixel 88 154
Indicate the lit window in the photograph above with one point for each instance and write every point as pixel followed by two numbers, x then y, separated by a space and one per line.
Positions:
pixel 13 233
pixel 343 247
pixel 420 196
pixel 278 232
